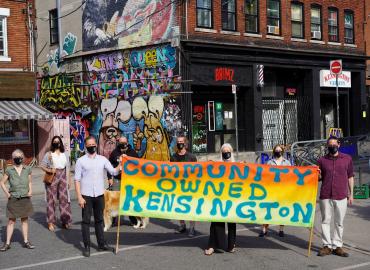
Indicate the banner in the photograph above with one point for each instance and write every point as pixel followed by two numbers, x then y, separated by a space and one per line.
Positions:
pixel 219 191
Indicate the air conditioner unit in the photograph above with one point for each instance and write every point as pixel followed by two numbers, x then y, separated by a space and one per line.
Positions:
pixel 273 30
pixel 316 34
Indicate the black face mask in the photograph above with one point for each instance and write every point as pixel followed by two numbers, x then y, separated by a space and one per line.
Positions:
pixel 91 149
pixel 123 146
pixel 333 149
pixel 18 160
pixel 226 155
pixel 56 145
pixel 277 154
pixel 180 146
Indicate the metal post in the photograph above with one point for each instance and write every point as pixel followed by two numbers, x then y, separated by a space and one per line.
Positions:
pixel 337 93
pixel 236 125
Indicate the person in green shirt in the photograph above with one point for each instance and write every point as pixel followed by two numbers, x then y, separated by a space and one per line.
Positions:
pixel 19 198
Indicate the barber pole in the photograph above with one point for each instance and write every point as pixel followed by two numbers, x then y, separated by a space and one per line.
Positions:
pixel 260 80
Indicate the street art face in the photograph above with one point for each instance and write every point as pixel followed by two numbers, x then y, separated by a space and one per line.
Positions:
pixel 126 23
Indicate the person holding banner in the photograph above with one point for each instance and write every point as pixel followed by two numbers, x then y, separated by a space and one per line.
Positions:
pixel 277 160
pixel 183 155
pixel 217 230
pixel 122 149
pixel 336 175
pixel 89 185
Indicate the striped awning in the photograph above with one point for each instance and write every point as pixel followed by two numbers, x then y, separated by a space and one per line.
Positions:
pixel 14 110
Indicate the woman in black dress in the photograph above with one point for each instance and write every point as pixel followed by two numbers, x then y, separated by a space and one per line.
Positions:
pixel 217 233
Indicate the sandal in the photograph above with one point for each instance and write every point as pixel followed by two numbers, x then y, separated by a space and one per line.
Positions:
pixel 66 226
pixel 51 227
pixel 209 251
pixel 232 250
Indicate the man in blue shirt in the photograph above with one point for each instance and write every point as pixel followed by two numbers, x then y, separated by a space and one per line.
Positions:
pixel 89 184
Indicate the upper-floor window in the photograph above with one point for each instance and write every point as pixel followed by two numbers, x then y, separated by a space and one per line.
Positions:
pixel 53 26
pixel 204 13
pixel 228 11
pixel 4 13
pixel 273 17
pixel 333 25
pixel 297 20
pixel 348 27
pixel 316 22
pixel 251 16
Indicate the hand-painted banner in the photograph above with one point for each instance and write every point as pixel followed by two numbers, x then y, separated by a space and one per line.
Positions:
pixel 219 191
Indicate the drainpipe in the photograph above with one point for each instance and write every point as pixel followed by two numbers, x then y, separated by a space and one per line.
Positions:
pixel 59 14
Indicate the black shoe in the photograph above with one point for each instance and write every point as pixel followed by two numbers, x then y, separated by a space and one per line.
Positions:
pixel 5 247
pixel 28 245
pixel 86 252
pixel 262 234
pixel 281 233
pixel 181 229
pixel 105 248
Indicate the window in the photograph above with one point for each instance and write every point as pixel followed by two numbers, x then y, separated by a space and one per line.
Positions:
pixel 17 131
pixel 228 10
pixel 348 27
pixel 316 22
pixel 273 17
pixel 4 13
pixel 297 20
pixel 333 25
pixel 204 13
pixel 53 25
pixel 251 16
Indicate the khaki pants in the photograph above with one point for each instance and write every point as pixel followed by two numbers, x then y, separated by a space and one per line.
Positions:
pixel 329 207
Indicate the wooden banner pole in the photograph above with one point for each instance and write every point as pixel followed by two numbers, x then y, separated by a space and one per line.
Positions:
pixel 310 242
pixel 118 227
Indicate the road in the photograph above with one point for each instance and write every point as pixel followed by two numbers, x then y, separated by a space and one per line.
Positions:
pixel 157 247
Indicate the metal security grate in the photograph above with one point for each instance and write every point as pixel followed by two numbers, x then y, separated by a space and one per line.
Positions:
pixel 285 121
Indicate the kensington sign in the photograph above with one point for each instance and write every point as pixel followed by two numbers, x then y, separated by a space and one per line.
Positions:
pixel 327 79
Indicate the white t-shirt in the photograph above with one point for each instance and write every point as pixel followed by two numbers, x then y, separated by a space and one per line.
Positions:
pixel 59 161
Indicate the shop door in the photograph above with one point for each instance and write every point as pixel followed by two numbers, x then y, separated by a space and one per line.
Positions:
pixel 280 122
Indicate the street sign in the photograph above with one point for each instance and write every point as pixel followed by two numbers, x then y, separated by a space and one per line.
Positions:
pixel 336 67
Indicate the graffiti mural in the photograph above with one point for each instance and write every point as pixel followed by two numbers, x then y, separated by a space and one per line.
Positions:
pixel 79 127
pixel 127 23
pixel 69 44
pixel 130 74
pixel 59 92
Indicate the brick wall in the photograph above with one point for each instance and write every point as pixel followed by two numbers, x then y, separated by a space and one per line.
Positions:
pixel 18 36
pixel 367 38
pixel 357 6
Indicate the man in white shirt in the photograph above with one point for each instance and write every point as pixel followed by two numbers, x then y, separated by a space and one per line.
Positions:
pixel 89 184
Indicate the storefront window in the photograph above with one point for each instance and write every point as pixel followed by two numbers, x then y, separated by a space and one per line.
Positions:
pixel 12 132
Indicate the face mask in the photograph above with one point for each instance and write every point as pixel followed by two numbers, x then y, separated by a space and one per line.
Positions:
pixel 18 160
pixel 91 149
pixel 277 154
pixel 122 146
pixel 226 155
pixel 180 146
pixel 56 144
pixel 333 149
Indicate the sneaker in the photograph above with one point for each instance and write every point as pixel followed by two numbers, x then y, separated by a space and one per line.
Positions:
pixel 340 252
pixel 324 251
pixel 28 245
pixel 191 232
pixel 181 229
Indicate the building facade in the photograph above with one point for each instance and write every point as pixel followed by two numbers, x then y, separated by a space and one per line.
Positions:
pixel 17 77
pixel 152 70
pixel 367 42
pixel 288 44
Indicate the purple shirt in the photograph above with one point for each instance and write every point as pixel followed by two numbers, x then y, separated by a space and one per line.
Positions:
pixel 335 172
